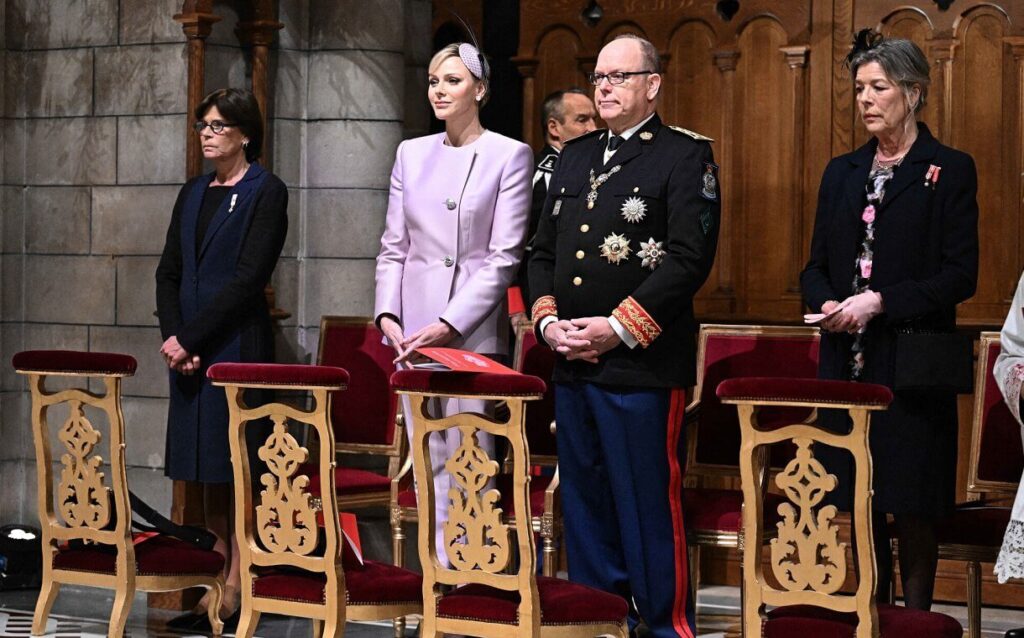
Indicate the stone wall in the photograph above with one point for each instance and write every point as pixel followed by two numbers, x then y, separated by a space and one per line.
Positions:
pixel 94 99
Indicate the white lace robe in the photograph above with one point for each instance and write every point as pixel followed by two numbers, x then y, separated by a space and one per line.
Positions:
pixel 1009 374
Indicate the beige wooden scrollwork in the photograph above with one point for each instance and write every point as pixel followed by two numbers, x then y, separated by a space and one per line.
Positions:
pixel 84 500
pixel 286 516
pixel 807 553
pixel 474 535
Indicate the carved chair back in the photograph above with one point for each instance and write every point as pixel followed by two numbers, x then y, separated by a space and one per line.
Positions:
pixel 282 526
pixel 996 455
pixel 91 499
pixel 366 417
pixel 480 544
pixel 807 558
pixel 730 351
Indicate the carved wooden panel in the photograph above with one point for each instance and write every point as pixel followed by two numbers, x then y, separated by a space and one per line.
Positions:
pixel 286 515
pixel 83 499
pixel 474 535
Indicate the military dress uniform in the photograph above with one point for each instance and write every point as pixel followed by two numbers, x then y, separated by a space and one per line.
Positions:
pixel 545 166
pixel 633 239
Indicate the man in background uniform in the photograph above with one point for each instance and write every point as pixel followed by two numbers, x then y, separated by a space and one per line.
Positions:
pixel 564 115
pixel 626 238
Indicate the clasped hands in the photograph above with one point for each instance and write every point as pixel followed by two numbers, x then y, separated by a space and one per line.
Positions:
pixel 584 338
pixel 853 313
pixel 177 358
pixel 436 334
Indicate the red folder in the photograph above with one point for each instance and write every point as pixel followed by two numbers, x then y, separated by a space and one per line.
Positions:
pixel 463 361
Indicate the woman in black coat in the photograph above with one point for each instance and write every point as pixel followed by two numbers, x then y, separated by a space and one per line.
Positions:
pixel 895 249
pixel 224 239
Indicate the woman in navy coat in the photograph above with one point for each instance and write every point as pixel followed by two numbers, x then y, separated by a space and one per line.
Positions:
pixel 895 249
pixel 224 239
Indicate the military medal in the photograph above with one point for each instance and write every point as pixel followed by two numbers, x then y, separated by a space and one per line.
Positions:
pixel 615 248
pixel 634 210
pixel 652 253
pixel 234 198
pixel 596 183
pixel 932 176
pixel 557 208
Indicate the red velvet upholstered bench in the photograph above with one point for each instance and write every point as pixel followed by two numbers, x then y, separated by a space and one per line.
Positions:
pixel 807 558
pixel 291 564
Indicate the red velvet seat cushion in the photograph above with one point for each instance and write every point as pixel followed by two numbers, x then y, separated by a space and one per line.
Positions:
pixel 781 389
pixel 157 556
pixel 347 480
pixel 712 509
pixel 73 361
pixel 278 374
pixel 561 603
pixel 803 621
pixel 537 486
pixel 407 498
pixel 467 383
pixel 983 526
pixel 374 584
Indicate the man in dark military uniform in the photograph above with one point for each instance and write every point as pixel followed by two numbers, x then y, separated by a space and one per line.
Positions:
pixel 564 115
pixel 626 238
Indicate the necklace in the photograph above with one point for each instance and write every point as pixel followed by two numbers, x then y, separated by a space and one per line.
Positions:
pixel 890 163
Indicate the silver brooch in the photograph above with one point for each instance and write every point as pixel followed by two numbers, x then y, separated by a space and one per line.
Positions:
pixel 615 248
pixel 652 253
pixel 634 210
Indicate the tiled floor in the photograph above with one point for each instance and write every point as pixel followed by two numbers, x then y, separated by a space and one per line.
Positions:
pixel 81 612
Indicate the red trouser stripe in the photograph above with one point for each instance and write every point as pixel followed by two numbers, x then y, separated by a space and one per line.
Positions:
pixel 677 406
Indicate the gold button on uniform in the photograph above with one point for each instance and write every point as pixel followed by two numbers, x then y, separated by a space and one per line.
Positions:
pixel 579 254
pixel 584 228
pixel 576 281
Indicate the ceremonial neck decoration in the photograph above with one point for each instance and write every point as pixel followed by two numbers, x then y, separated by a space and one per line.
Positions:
pixel 596 183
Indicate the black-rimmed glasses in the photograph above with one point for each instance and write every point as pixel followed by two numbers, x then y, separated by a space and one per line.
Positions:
pixel 216 126
pixel 615 77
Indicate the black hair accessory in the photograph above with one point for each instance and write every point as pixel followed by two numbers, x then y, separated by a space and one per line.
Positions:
pixel 865 40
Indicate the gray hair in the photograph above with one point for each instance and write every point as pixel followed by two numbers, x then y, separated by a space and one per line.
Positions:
pixel 902 61
pixel 652 62
pixel 554 105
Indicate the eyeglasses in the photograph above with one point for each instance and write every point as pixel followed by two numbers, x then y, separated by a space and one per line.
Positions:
pixel 216 126
pixel 615 77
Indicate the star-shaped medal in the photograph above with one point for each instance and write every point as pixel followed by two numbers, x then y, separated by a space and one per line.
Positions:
pixel 634 210
pixel 615 248
pixel 652 253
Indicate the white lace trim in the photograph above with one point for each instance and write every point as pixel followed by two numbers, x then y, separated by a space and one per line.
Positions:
pixel 1010 563
pixel 1012 382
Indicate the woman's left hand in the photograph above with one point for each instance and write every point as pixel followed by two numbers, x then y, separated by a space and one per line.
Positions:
pixel 436 334
pixel 857 311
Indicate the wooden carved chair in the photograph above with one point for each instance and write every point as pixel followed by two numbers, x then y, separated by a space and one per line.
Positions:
pixel 713 432
pixel 87 534
pixel 365 418
pixel 534 359
pixel 290 542
pixel 806 557
pixel 491 597
pixel 974 532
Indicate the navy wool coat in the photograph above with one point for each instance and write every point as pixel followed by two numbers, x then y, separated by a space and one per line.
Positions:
pixel 212 300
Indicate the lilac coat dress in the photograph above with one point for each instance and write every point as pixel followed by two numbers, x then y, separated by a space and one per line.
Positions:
pixel 453 239
pixel 454 236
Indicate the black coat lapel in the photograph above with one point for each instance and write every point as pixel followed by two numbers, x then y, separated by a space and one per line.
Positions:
pixel 632 147
pixel 913 167
pixel 244 189
pixel 855 184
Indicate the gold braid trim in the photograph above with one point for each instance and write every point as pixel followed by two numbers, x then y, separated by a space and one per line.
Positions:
pixel 544 307
pixel 634 318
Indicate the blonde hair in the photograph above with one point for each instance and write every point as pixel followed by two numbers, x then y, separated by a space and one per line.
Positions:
pixel 452 51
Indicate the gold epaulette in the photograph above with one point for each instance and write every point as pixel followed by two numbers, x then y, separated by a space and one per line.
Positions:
pixel 693 134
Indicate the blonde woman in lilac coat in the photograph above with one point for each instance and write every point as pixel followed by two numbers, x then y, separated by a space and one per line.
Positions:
pixel 454 235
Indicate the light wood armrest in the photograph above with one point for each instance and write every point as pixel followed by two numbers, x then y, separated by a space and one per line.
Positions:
pixel 402 479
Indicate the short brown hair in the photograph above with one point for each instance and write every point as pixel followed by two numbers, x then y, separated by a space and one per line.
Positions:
pixel 240 109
